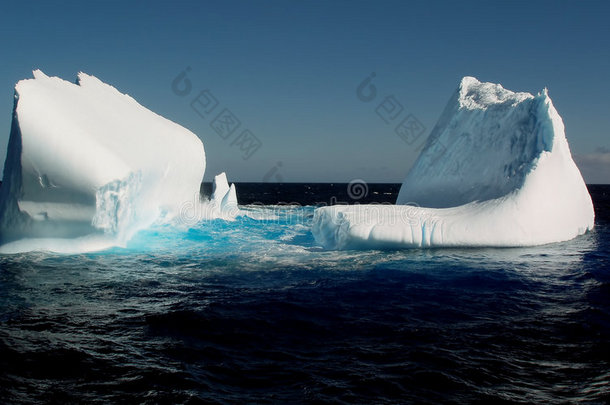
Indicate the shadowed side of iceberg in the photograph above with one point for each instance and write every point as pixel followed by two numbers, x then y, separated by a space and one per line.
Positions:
pixel 496 171
pixel 12 220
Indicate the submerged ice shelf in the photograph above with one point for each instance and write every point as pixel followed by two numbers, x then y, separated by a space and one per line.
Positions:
pixel 496 171
pixel 87 167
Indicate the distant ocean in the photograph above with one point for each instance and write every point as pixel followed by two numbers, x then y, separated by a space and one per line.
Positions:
pixel 254 311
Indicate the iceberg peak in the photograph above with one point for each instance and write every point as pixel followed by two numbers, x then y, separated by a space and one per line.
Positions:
pixel 39 74
pixel 224 198
pixel 473 94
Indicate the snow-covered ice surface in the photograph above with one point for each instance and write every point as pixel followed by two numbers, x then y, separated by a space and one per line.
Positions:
pixel 496 171
pixel 87 167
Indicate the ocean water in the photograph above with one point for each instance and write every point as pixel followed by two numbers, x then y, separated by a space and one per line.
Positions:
pixel 254 311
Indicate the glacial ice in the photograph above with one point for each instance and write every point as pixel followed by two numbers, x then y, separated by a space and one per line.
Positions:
pixel 87 167
pixel 496 171
pixel 223 202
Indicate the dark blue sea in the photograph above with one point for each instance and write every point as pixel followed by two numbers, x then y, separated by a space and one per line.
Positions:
pixel 253 311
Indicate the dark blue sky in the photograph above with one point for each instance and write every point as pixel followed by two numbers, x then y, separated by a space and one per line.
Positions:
pixel 289 71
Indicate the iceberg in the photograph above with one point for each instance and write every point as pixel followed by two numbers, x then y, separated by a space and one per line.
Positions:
pixel 223 202
pixel 496 171
pixel 87 167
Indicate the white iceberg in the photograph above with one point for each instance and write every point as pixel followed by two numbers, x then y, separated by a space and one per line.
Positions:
pixel 222 204
pixel 224 198
pixel 87 167
pixel 496 171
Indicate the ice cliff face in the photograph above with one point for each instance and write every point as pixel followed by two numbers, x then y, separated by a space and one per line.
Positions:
pixel 485 143
pixel 85 159
pixel 496 171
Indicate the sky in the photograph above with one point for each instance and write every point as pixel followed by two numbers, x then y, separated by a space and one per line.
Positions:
pixel 290 72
